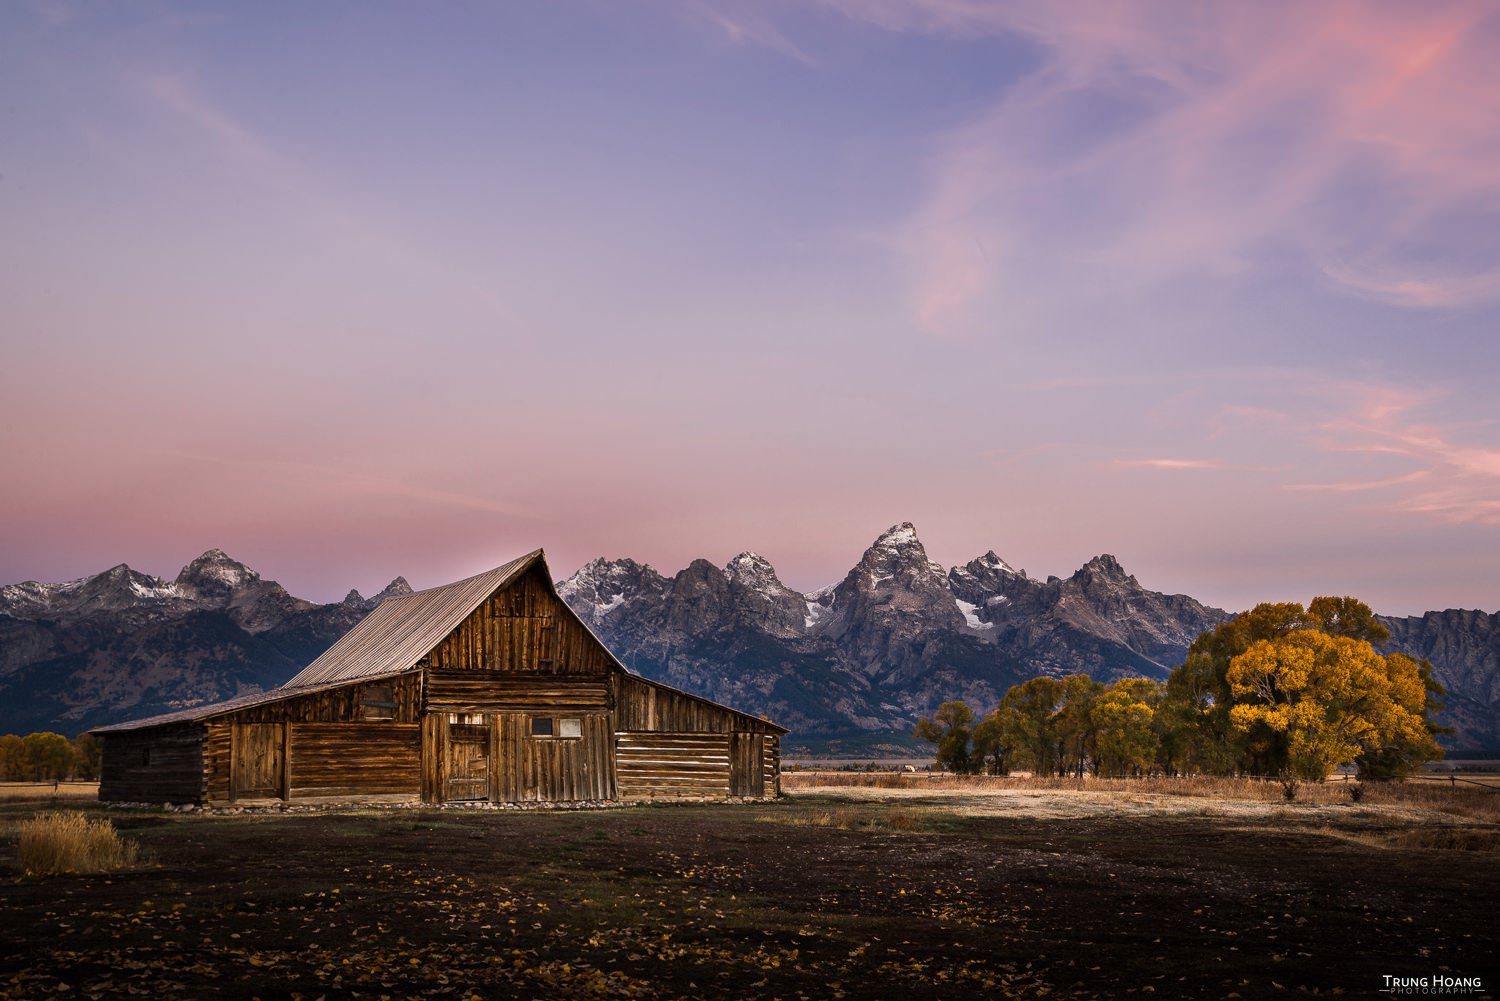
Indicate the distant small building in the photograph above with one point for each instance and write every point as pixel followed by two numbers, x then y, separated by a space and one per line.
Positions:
pixel 490 689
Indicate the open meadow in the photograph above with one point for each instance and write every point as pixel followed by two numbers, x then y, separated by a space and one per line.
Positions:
pixel 849 887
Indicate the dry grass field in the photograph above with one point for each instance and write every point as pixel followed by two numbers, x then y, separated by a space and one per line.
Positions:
pixel 883 889
pixel 32 792
pixel 1417 802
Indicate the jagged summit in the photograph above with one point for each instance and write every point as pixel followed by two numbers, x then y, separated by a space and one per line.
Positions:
pixel 395 589
pixel 216 570
pixel 897 555
pixel 897 536
pixel 995 561
pixel 755 572
pixel 1105 565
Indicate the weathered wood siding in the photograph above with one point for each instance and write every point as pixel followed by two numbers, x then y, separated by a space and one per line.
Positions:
pixel 498 692
pixel 524 628
pixel 162 765
pixel 771 766
pixel 371 733
pixel 258 761
pixel 659 765
pixel 353 760
pixel 397 699
pixel 747 776
pixel 552 769
pixel 517 766
pixel 643 705
pixel 218 738
pixel 466 773
pixel 434 754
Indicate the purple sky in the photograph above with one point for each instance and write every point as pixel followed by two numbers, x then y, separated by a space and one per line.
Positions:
pixel 353 290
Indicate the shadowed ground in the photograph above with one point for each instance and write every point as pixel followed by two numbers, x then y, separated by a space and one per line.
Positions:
pixel 818 896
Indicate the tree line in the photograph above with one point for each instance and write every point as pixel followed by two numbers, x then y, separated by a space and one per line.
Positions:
pixel 49 757
pixel 1279 691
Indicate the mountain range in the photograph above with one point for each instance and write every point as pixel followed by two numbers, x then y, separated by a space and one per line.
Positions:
pixel 851 665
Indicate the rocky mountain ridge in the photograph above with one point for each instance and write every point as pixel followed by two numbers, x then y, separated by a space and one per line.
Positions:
pixel 886 643
pixel 122 644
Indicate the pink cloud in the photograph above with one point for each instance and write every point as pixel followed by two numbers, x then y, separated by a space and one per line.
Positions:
pixel 1248 128
pixel 748 26
pixel 1172 463
pixel 1460 478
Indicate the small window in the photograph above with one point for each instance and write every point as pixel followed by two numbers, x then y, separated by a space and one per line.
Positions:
pixel 377 702
pixel 570 728
pixel 541 726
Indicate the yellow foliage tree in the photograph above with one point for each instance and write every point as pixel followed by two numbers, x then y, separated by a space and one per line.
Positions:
pixel 1125 740
pixel 1333 698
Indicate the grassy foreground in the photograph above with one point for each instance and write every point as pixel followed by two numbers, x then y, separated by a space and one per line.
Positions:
pixel 819 896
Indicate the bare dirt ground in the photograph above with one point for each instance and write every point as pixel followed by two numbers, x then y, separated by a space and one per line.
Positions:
pixel 835 892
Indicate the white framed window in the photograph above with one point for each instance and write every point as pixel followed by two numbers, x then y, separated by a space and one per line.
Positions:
pixel 548 726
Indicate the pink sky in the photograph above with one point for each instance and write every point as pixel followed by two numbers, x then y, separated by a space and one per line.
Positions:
pixel 353 293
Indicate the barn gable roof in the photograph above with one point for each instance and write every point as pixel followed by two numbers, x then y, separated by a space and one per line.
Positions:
pixel 401 631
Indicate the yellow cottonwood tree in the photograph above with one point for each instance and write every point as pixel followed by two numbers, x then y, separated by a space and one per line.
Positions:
pixel 1333 698
pixel 1125 740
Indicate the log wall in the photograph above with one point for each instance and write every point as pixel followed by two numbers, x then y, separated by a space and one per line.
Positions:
pixel 672 765
pixel 496 692
pixel 152 766
pixel 353 760
pixel 771 766
pixel 355 715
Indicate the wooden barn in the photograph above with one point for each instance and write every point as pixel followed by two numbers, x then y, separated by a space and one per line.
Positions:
pixel 490 690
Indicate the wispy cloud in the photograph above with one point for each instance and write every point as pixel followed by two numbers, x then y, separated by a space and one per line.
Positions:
pixel 744 25
pixel 1172 463
pixel 1358 486
pixel 1159 139
pixel 307 479
pixel 1449 474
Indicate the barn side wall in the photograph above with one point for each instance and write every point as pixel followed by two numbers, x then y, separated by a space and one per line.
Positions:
pixel 518 764
pixel 161 765
pixel 359 741
pixel 671 745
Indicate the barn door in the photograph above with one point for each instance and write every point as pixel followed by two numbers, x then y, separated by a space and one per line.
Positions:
pixel 258 761
pixel 468 771
pixel 746 777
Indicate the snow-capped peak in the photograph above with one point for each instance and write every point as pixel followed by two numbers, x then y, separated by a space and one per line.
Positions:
pixel 898 537
pixel 755 572
pixel 217 567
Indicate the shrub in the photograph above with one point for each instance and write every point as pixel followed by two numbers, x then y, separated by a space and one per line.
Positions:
pixel 70 842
